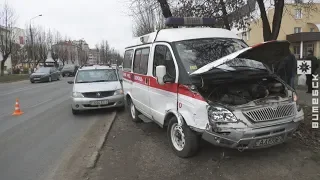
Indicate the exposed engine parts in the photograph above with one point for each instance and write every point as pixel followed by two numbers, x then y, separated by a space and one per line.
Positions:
pixel 238 93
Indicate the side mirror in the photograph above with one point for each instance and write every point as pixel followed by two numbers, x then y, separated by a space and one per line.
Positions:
pixel 160 73
pixel 70 82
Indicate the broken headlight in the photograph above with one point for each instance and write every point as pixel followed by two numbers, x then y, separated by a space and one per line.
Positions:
pixel 220 115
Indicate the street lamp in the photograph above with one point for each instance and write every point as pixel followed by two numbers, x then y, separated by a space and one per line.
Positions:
pixel 31 35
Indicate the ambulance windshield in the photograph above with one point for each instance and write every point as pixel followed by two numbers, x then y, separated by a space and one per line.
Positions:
pixel 198 52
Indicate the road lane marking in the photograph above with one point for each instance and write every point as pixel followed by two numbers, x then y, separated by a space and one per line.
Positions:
pixel 41 103
pixel 23 89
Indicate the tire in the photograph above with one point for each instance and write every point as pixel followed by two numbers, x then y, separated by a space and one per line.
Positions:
pixel 190 146
pixel 133 111
pixel 58 78
pixel 32 82
pixel 75 112
pixel 50 79
pixel 62 75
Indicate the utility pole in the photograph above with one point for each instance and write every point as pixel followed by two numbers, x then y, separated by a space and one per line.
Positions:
pixel 31 38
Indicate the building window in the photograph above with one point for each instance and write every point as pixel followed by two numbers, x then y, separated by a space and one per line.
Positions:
pixel 297 30
pixel 296 50
pixel 311 29
pixel 245 35
pixel 298 14
pixel 306 48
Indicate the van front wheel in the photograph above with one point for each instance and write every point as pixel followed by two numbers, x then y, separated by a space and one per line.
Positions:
pixel 133 112
pixel 183 141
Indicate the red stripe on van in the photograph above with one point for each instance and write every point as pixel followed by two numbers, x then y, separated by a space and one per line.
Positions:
pixel 152 82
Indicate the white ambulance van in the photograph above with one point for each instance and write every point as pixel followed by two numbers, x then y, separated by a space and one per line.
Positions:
pixel 207 83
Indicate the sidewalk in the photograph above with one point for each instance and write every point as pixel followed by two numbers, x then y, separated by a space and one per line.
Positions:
pixel 303 97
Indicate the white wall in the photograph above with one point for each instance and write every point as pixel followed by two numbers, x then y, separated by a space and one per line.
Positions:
pixel 8 63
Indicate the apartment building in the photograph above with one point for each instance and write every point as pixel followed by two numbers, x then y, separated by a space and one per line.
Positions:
pixel 19 37
pixel 94 56
pixel 67 52
pixel 300 26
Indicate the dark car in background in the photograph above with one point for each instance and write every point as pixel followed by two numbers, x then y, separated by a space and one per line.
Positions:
pixel 69 70
pixel 45 74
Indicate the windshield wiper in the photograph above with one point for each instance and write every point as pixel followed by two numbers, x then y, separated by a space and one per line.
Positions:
pixel 250 67
pixel 85 82
pixel 101 81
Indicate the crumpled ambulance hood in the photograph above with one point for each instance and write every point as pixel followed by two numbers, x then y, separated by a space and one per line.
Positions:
pixel 270 53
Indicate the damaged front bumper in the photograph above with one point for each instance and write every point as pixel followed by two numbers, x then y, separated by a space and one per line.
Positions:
pixel 254 137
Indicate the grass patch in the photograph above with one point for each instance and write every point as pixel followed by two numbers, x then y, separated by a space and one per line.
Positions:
pixel 13 78
pixel 315 157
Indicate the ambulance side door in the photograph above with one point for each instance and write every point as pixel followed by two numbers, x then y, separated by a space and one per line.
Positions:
pixel 162 97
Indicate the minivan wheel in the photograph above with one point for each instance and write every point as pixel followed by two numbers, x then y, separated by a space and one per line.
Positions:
pixel 183 141
pixel 133 112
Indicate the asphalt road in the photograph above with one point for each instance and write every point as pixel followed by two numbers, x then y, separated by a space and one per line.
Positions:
pixel 141 151
pixel 33 144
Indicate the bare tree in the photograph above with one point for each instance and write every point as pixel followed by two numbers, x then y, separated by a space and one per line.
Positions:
pixel 272 32
pixel 104 51
pixel 40 46
pixel 72 56
pixel 49 39
pixel 7 21
pixel 146 16
pixel 228 14
pixel 165 8
pixel 64 54
pixel 18 53
pixel 108 54
pixel 56 48
pixel 82 55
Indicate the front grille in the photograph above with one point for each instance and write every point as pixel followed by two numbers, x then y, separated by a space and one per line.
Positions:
pixel 101 94
pixel 271 113
pixel 104 105
pixel 37 76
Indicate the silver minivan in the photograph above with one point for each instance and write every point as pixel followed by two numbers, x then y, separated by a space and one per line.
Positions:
pixel 96 87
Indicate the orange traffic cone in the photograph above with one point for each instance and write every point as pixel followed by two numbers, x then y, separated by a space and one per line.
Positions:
pixel 17 111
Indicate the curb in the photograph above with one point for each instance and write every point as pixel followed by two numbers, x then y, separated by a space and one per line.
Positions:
pixel 96 154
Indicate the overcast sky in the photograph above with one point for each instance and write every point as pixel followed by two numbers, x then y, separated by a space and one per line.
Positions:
pixel 92 20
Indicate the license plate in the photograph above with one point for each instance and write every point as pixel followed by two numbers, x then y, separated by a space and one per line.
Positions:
pixel 95 103
pixel 36 78
pixel 269 141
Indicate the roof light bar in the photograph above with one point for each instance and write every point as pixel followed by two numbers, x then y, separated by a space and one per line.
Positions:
pixel 190 21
